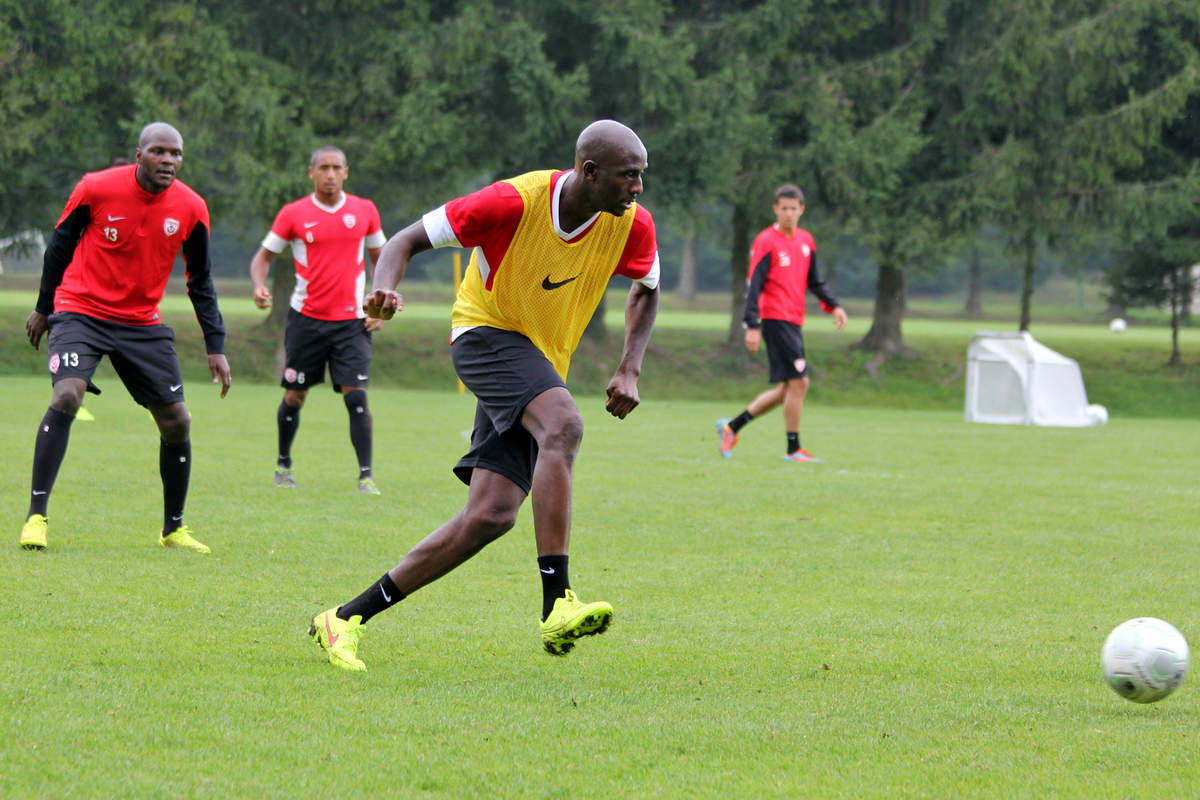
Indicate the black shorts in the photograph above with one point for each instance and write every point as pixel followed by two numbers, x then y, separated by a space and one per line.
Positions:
pixel 785 350
pixel 143 355
pixel 344 344
pixel 504 370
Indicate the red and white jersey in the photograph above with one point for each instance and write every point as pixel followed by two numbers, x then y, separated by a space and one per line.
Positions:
pixel 120 265
pixel 328 245
pixel 782 269
pixel 529 275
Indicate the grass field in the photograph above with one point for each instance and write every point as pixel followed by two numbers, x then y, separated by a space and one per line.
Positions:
pixel 921 616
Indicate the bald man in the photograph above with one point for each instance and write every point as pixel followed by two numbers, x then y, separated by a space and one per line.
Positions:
pixel 103 276
pixel 544 247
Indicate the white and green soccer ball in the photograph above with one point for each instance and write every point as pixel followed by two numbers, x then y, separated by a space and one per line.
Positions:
pixel 1144 659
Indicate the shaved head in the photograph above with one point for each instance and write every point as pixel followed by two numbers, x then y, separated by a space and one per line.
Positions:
pixel 157 131
pixel 607 140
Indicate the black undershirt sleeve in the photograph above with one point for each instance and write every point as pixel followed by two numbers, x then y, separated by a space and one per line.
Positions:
pixel 58 255
pixel 819 287
pixel 757 281
pixel 201 291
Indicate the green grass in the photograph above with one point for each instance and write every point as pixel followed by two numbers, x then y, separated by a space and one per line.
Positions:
pixel 921 616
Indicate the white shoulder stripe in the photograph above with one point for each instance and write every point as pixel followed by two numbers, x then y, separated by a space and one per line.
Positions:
pixel 274 242
pixel 651 279
pixel 437 228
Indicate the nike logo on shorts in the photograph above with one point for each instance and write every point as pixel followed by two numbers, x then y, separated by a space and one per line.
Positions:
pixel 176 387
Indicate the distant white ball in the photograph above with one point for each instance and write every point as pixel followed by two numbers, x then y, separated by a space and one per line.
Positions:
pixel 1117 325
pixel 1144 659
pixel 1097 414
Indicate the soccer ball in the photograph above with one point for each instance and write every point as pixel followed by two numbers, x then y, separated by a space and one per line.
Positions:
pixel 1144 659
pixel 1117 325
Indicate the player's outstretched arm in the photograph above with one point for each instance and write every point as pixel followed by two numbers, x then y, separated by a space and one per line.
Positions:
pixel 383 301
pixel 641 307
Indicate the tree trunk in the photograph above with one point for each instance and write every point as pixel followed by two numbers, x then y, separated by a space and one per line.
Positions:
pixel 1190 275
pixel 283 283
pixel 884 335
pixel 1176 307
pixel 1027 285
pixel 687 268
pixel 974 305
pixel 1175 358
pixel 739 265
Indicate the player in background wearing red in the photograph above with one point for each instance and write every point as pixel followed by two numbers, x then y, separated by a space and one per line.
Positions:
pixel 545 245
pixel 328 232
pixel 783 266
pixel 103 276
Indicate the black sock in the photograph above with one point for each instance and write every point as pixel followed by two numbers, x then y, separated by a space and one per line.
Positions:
pixel 382 595
pixel 289 421
pixel 793 442
pixel 554 581
pixel 49 449
pixel 175 467
pixel 360 429
pixel 739 422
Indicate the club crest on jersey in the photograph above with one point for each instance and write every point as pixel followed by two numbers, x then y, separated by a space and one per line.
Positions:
pixel 804 249
pixel 349 219
pixel 170 226
pixel 54 363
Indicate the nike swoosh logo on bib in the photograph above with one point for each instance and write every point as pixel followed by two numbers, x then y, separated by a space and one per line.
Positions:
pixel 548 284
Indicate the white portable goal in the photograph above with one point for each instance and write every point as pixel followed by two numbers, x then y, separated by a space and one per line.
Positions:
pixel 1012 379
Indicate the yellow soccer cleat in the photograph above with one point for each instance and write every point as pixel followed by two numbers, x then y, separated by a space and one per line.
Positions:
pixel 33 533
pixel 570 619
pixel 338 638
pixel 367 486
pixel 181 538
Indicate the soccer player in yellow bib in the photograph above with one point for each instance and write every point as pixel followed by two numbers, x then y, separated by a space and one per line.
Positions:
pixel 545 245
